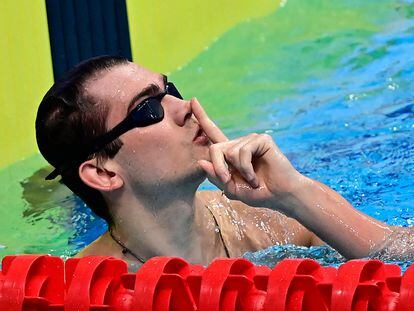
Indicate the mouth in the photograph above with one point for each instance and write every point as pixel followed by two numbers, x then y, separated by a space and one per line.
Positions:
pixel 199 132
pixel 200 137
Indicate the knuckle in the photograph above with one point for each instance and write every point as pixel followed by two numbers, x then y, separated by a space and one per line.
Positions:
pixel 266 137
pixel 232 155
pixel 244 150
pixel 254 135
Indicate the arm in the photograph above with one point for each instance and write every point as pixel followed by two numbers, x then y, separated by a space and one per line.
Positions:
pixel 252 169
pixel 334 220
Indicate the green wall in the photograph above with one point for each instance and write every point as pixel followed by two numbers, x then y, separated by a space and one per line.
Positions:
pixel 163 38
pixel 26 73
pixel 167 34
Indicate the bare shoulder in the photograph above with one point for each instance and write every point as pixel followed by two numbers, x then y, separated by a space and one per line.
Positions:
pixel 290 228
pixel 208 194
pixel 100 247
pixel 287 229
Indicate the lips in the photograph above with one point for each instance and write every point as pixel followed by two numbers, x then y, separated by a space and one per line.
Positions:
pixel 200 137
pixel 199 132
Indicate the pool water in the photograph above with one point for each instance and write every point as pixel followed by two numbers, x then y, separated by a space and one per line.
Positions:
pixel 331 81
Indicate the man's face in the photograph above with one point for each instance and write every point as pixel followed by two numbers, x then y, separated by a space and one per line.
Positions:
pixel 159 154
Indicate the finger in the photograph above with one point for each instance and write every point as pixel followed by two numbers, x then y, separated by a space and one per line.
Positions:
pixel 210 128
pixel 246 165
pixel 219 163
pixel 208 167
pixel 240 156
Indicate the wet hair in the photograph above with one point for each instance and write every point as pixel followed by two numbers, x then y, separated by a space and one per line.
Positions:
pixel 68 120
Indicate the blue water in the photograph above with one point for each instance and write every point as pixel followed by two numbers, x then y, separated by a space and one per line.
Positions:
pixel 354 131
pixel 331 81
pixel 350 127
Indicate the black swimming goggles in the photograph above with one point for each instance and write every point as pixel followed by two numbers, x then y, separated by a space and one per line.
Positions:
pixel 147 112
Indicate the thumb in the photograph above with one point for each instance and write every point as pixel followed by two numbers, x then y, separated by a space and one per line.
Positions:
pixel 208 167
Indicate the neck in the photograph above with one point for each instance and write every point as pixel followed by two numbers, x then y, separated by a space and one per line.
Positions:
pixel 158 224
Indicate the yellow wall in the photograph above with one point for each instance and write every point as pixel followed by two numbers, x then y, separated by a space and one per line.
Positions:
pixel 163 37
pixel 167 34
pixel 25 74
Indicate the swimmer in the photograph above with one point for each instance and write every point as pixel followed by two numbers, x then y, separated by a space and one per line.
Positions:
pixel 124 140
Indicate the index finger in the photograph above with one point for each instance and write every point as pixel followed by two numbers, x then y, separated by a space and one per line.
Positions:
pixel 212 131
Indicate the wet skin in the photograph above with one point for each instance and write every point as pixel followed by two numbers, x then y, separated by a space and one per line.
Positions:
pixel 151 185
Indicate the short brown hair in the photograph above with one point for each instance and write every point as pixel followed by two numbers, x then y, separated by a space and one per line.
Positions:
pixel 68 120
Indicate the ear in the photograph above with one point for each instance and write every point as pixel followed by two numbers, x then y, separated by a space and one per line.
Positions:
pixel 103 178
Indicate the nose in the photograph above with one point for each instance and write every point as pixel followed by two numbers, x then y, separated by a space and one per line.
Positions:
pixel 178 110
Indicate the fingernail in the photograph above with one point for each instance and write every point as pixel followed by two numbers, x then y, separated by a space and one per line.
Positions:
pixel 253 181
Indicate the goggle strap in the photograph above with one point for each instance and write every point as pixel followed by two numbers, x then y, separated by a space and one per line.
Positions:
pixel 172 90
pixel 121 128
pixel 110 136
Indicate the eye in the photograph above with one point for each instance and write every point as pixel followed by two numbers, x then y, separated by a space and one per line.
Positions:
pixel 153 90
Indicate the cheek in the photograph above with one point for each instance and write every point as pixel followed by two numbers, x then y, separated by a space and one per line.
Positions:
pixel 151 155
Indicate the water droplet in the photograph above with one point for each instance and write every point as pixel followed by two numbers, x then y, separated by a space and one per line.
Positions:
pixel 352 97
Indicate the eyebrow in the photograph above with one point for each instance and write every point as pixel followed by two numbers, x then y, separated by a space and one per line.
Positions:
pixel 147 91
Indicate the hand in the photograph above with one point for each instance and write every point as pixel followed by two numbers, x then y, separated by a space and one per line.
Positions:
pixel 251 169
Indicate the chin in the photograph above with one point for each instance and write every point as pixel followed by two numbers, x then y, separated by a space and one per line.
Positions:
pixel 196 176
pixel 202 152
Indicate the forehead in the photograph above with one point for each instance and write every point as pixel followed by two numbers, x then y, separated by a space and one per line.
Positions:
pixel 120 83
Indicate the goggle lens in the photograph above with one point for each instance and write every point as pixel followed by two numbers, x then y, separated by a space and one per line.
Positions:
pixel 172 90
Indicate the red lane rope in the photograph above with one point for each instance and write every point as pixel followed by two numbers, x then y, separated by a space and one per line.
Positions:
pixel 42 282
